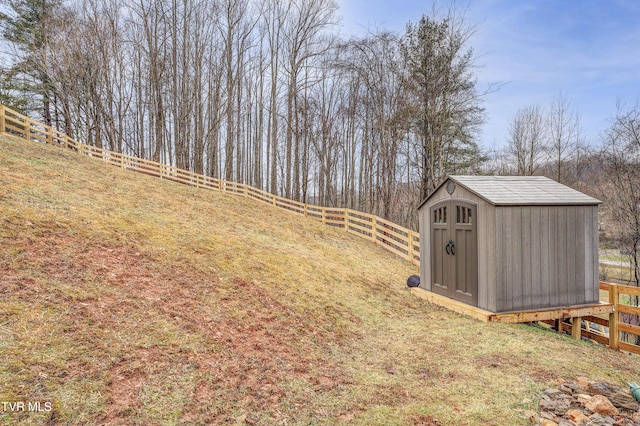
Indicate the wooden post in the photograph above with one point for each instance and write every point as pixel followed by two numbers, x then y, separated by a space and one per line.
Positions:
pixel 2 120
pixel 305 209
pixel 576 327
pixel 27 129
pixel 559 325
pixel 346 220
pixel 374 228
pixel 324 216
pixel 614 337
pixel 49 135
pixel 410 250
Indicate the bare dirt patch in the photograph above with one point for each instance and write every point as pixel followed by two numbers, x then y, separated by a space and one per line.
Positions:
pixel 250 344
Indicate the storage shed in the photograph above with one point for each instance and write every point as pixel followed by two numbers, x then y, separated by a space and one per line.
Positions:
pixel 505 243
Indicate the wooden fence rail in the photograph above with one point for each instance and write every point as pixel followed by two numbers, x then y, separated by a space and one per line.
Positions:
pixel 624 331
pixel 397 239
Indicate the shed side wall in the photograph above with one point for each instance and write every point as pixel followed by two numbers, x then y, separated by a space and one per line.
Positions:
pixel 545 257
pixel 591 256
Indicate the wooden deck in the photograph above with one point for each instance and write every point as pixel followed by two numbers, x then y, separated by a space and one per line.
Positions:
pixel 621 335
pixel 514 317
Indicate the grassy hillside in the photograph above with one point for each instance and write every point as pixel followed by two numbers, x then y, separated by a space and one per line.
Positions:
pixel 129 300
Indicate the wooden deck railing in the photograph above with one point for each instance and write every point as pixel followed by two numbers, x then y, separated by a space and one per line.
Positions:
pixel 397 239
pixel 621 332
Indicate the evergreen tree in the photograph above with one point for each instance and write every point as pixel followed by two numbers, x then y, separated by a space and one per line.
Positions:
pixel 14 92
pixel 447 111
pixel 26 26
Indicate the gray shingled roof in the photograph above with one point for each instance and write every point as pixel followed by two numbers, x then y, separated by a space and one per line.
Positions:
pixel 523 190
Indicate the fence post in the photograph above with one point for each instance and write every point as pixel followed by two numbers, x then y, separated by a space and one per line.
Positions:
pixel 2 120
pixel 27 129
pixel 346 220
pixel 49 134
pixel 374 228
pixel 324 216
pixel 410 249
pixel 614 336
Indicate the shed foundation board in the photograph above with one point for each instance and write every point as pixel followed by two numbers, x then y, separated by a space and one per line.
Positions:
pixel 513 317
pixel 451 304
pixel 556 313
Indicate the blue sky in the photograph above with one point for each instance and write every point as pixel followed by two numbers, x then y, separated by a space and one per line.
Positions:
pixel 535 49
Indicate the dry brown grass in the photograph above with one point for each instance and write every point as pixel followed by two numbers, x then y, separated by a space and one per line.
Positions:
pixel 128 300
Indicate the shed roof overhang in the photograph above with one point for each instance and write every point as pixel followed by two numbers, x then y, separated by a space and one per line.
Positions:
pixel 519 191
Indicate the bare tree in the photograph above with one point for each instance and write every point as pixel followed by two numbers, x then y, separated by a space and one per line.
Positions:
pixel 526 140
pixel 274 15
pixel 564 132
pixel 621 159
pixel 150 38
pixel 213 100
pixel 307 20
pixel 377 62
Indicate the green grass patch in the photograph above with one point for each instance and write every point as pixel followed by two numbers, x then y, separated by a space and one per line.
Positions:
pixel 616 273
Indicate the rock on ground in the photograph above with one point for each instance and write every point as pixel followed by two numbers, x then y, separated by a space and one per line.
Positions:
pixel 584 402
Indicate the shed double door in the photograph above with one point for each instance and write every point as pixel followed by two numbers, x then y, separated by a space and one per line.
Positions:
pixel 454 257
